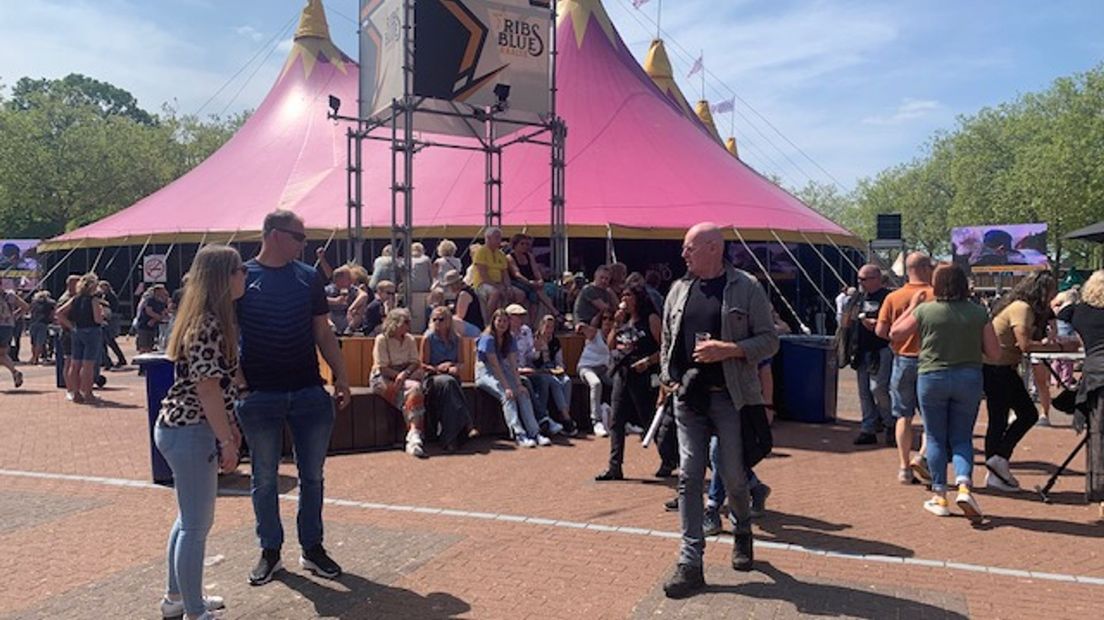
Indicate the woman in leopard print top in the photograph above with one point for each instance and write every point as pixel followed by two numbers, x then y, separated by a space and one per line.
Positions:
pixel 196 430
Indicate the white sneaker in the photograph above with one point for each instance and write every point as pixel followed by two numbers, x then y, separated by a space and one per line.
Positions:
pixel 525 442
pixel 937 506
pixel 544 441
pixel 600 429
pixel 632 429
pixel 993 481
pixel 414 444
pixel 999 465
pixel 174 609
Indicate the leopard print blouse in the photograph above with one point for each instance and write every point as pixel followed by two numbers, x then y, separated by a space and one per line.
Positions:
pixel 202 360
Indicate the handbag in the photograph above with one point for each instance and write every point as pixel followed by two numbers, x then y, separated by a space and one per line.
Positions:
pixel 756 434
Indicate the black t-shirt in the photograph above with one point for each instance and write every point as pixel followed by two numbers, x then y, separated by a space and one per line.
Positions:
pixel 373 316
pixel 634 341
pixel 869 305
pixel 1088 322
pixel 148 322
pixel 701 314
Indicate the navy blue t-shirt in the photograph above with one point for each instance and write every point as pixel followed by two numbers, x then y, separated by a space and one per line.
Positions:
pixel 276 320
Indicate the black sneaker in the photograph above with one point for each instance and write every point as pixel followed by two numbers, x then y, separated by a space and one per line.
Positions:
pixel 866 439
pixel 759 495
pixel 671 505
pixel 613 473
pixel 317 561
pixel 711 522
pixel 666 470
pixel 686 581
pixel 266 567
pixel 743 555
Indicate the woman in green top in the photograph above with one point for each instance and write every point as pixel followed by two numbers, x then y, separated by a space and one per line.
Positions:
pixel 954 333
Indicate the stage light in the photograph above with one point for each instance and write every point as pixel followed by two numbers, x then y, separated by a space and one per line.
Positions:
pixel 502 93
pixel 335 105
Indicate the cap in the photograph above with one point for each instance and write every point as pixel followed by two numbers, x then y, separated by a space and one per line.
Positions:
pixel 516 309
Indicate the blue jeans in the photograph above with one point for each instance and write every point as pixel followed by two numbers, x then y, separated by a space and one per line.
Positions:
pixel 949 401
pixel 309 413
pixel 873 376
pixel 551 391
pixel 87 344
pixel 716 493
pixel 694 432
pixel 518 412
pixel 192 454
pixel 902 386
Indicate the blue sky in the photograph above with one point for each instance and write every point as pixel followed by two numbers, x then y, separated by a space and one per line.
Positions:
pixel 857 86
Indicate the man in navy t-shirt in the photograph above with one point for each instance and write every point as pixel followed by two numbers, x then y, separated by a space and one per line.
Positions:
pixel 283 318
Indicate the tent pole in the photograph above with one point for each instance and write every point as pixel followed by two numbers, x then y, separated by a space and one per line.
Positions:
pixel 797 262
pixel 766 274
pixel 96 263
pixel 824 260
pixel 62 261
pixel 842 253
pixel 111 261
pixel 141 253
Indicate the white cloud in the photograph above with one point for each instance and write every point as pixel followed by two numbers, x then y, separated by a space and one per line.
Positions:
pixel 909 110
pixel 250 33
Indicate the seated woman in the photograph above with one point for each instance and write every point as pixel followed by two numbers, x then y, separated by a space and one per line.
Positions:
pixel 397 375
pixel 551 385
pixel 441 361
pixel 496 372
pixel 593 368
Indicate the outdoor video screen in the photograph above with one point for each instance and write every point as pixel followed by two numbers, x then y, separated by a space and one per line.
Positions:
pixel 18 264
pixel 1000 246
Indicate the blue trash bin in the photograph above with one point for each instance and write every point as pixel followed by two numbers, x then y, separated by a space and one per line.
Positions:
pixel 809 378
pixel 160 373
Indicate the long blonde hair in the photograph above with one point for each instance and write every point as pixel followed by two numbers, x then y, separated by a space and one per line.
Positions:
pixel 208 292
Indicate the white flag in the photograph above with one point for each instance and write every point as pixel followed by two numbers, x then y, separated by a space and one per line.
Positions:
pixel 725 106
pixel 699 64
pixel 639 3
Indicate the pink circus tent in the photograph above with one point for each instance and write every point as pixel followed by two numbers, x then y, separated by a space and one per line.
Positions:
pixel 637 163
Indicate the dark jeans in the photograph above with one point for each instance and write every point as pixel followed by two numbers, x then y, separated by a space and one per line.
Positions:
pixel 633 400
pixel 309 413
pixel 1005 391
pixel 446 401
pixel 111 331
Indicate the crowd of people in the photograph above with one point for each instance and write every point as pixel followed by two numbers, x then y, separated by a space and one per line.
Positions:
pixel 245 338
pixel 932 346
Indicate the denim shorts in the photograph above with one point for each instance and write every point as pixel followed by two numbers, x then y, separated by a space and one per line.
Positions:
pixel 902 386
pixel 87 344
pixel 39 333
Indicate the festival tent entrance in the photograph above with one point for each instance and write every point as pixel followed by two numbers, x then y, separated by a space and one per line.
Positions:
pixel 637 166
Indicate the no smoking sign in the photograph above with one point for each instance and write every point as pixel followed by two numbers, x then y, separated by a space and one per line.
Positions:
pixel 154 268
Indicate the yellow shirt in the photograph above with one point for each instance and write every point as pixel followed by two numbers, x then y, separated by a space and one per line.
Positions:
pixel 495 262
pixel 1017 314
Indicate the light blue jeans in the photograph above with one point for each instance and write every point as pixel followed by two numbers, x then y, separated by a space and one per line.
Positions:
pixel 518 412
pixel 873 377
pixel 949 401
pixel 192 454
pixel 309 413
pixel 902 386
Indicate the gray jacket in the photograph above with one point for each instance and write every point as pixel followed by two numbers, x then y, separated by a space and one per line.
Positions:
pixel 747 322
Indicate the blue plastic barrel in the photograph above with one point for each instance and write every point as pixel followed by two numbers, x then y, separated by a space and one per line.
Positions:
pixel 159 373
pixel 809 379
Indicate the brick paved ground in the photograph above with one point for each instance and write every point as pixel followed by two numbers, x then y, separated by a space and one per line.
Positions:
pixel 89 548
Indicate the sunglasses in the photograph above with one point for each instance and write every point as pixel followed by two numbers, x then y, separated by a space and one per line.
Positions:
pixel 438 319
pixel 294 234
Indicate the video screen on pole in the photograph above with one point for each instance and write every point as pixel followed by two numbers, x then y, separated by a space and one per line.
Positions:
pixel 1000 247
pixel 18 264
pixel 475 53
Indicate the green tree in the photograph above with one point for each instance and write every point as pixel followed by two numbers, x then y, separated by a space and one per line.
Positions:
pixel 76 90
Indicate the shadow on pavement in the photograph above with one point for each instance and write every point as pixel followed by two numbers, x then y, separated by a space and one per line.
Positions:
pixel 354 596
pixel 835 437
pixel 817 534
pixel 1046 526
pixel 238 483
pixel 832 600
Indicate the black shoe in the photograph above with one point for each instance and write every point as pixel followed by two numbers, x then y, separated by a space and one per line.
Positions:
pixel 866 439
pixel 613 473
pixel 671 505
pixel 317 561
pixel 686 581
pixel 891 438
pixel 879 425
pixel 665 471
pixel 711 522
pixel 743 554
pixel 266 567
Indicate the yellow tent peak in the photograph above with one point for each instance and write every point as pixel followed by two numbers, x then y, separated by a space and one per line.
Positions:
pixel 657 64
pixel 730 146
pixel 579 12
pixel 312 22
pixel 706 117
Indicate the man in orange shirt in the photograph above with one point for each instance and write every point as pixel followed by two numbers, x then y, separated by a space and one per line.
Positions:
pixel 906 353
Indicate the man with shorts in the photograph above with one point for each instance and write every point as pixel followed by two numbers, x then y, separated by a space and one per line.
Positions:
pixel 491 276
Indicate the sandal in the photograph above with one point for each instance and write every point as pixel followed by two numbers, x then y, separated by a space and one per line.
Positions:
pixel 18 378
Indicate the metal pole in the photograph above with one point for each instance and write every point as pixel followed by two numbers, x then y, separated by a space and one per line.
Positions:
pixel 558 233
pixel 766 274
pixel 824 260
pixel 802 269
pixel 358 197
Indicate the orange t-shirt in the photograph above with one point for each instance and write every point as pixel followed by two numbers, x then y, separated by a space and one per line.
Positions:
pixel 894 306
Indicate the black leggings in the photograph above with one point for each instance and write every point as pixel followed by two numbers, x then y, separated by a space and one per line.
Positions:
pixel 1005 391
pixel 633 400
